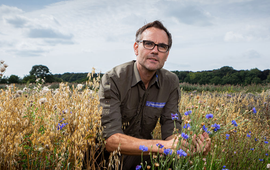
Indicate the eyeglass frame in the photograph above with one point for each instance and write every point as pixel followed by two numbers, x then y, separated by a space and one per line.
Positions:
pixel 158 45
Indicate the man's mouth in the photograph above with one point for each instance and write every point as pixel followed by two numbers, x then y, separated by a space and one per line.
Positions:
pixel 153 59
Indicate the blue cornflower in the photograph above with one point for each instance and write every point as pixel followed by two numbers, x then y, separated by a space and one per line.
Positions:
pixel 234 123
pixel 260 159
pixel 181 153
pixel 208 116
pixel 167 151
pixel 60 126
pixel 227 136
pixel 255 139
pixel 254 110
pixel 186 126
pixel 266 142
pixel 224 168
pixel 216 126
pixel 174 116
pixel 205 129
pixel 266 154
pixel 248 135
pixel 252 149
pixel 138 167
pixel 185 136
pixel 159 145
pixel 188 112
pixel 143 148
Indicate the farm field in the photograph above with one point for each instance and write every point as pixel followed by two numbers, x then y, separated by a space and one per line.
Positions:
pixel 52 128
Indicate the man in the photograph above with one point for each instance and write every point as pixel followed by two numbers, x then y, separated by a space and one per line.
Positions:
pixel 135 94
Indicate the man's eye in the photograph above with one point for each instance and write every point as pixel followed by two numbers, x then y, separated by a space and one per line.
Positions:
pixel 163 46
pixel 149 43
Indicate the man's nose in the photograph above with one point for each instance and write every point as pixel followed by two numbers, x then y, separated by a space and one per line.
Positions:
pixel 155 49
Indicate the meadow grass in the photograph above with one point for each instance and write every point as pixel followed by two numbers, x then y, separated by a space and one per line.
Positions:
pixel 53 128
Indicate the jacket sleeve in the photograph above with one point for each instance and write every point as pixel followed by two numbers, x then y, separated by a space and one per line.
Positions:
pixel 167 124
pixel 111 119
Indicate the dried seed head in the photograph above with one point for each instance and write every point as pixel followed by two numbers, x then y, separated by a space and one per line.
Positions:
pixel 156 164
pixel 79 86
pixel 42 100
pixel 2 69
pixel 20 92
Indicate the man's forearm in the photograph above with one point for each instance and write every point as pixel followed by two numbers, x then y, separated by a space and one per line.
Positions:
pixel 130 145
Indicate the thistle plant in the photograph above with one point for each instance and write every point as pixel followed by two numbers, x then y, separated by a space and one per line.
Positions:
pixel 3 67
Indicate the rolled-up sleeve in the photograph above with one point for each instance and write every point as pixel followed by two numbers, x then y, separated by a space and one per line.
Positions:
pixel 111 120
pixel 167 124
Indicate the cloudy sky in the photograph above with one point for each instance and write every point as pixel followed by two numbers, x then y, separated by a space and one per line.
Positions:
pixel 77 35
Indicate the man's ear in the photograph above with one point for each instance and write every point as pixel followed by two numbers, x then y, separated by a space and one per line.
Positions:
pixel 135 47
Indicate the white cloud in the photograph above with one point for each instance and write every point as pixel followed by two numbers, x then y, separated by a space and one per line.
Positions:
pixel 8 10
pixel 47 33
pixel 101 33
pixel 16 21
pixel 233 37
pixel 251 54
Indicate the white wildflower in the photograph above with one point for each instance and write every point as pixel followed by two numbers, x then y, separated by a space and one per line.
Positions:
pixel 42 100
pixel 20 92
pixel 5 65
pixel 45 89
pixel 25 89
pixel 268 166
pixel 79 86
pixel 37 79
pixel 2 61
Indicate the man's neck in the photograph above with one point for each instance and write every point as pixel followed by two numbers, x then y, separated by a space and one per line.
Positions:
pixel 145 75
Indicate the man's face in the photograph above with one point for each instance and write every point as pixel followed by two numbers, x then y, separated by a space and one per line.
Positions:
pixel 151 60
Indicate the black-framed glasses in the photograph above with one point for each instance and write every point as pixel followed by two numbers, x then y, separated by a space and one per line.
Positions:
pixel 150 45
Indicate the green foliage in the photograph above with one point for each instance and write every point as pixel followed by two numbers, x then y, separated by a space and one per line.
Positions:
pixel 253 88
pixel 40 71
pixel 225 75
pixel 14 79
pixel 74 77
pixel 29 79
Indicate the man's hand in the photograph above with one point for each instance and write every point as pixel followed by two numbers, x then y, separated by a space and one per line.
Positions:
pixel 202 143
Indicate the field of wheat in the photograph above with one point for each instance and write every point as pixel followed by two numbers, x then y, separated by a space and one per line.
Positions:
pixel 45 128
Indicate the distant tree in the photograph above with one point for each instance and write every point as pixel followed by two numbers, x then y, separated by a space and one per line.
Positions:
pixel 41 71
pixel 14 79
pixel 3 80
pixel 268 78
pixel 29 79
pixel 256 80
pixel 216 80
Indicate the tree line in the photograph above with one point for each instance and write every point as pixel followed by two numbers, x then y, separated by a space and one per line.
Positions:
pixel 225 75
pixel 222 76
pixel 43 72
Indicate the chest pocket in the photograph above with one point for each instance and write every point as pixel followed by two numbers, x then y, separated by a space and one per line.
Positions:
pixel 150 118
